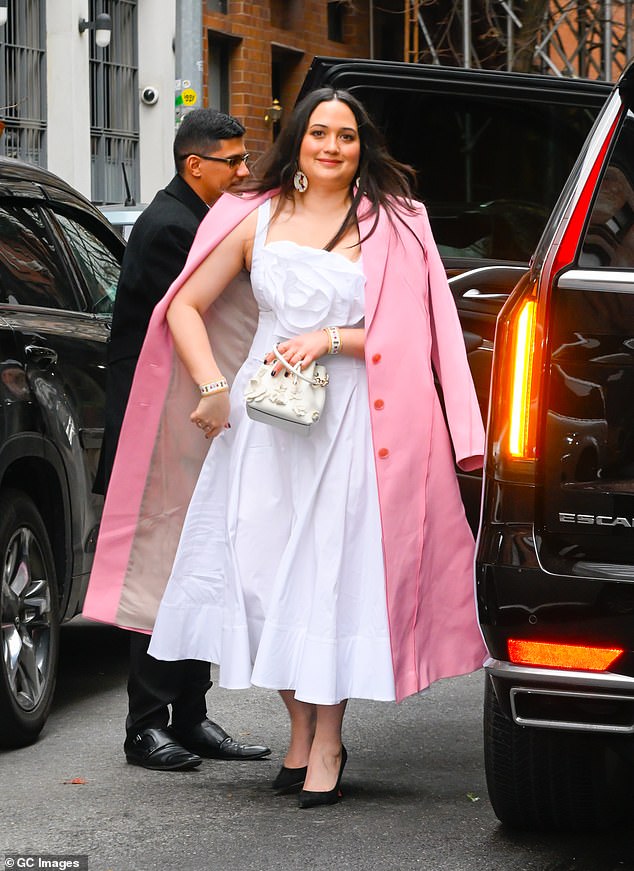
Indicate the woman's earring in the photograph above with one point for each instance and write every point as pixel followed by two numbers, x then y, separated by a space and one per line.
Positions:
pixel 300 182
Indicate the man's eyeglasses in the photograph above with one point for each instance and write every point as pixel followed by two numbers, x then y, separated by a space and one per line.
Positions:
pixel 232 162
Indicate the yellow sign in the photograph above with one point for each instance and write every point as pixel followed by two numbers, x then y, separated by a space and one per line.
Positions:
pixel 189 97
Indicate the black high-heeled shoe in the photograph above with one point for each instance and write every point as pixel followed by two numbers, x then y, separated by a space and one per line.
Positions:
pixel 289 779
pixel 310 798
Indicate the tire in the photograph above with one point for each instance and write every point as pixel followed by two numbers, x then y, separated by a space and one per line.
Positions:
pixel 29 610
pixel 551 780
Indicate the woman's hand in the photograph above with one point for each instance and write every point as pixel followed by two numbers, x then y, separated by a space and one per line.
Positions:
pixel 212 414
pixel 301 349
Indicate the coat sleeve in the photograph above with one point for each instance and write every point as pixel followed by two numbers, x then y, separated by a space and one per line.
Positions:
pixel 449 358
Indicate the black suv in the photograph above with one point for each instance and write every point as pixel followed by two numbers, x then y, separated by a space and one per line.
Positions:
pixel 555 560
pixel 59 266
pixel 555 563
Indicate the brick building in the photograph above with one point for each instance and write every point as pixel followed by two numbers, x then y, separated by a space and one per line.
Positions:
pixel 258 51
pixel 89 111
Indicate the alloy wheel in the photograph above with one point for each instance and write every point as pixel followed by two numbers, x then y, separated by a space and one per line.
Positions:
pixel 26 619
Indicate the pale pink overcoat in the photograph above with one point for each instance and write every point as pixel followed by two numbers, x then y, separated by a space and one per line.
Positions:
pixel 411 321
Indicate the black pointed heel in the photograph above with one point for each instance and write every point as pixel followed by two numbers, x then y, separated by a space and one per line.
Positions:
pixel 289 779
pixel 309 798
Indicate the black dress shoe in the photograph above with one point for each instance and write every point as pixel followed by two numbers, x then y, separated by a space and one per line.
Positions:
pixel 311 798
pixel 157 750
pixel 208 739
pixel 289 779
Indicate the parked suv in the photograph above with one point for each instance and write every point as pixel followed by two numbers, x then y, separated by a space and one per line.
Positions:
pixel 492 152
pixel 555 559
pixel 59 266
pixel 555 563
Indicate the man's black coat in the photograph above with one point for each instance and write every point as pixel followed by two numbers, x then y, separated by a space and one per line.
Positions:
pixel 154 257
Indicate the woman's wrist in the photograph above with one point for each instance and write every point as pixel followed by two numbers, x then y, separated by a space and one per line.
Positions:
pixel 335 344
pixel 211 388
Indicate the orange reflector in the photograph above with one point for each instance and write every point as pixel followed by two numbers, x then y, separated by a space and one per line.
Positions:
pixel 521 377
pixel 562 655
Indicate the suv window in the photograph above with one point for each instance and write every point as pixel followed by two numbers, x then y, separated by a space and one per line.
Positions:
pixel 609 239
pixel 97 264
pixel 489 171
pixel 29 271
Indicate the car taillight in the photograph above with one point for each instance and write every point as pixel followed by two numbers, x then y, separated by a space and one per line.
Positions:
pixel 515 391
pixel 520 381
pixel 551 655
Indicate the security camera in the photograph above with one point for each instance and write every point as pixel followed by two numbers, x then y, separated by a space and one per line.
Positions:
pixel 149 96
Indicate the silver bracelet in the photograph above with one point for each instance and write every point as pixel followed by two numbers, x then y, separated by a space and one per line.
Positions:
pixel 334 340
pixel 218 386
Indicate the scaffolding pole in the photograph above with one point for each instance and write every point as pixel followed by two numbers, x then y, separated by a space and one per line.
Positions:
pixel 410 36
pixel 576 38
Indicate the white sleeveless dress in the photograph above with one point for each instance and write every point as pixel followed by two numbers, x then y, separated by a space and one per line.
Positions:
pixel 279 573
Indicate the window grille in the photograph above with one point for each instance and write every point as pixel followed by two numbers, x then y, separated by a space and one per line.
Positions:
pixel 114 104
pixel 23 82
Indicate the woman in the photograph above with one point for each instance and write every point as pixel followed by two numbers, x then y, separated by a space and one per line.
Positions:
pixel 319 566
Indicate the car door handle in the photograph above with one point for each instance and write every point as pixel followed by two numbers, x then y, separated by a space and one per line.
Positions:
pixel 474 293
pixel 41 356
pixel 472 341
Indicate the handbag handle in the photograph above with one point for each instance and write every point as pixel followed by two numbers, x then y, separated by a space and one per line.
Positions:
pixel 316 381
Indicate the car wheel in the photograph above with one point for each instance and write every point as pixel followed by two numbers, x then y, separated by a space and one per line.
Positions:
pixel 547 780
pixel 30 621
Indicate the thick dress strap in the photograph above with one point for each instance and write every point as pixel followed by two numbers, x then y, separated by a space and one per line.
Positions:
pixel 264 211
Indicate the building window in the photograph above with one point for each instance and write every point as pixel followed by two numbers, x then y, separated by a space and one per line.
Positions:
pixel 284 70
pixel 218 66
pixel 23 82
pixel 287 14
pixel 217 6
pixel 336 16
pixel 114 104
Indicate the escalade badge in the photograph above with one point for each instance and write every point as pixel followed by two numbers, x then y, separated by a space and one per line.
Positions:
pixel 596 519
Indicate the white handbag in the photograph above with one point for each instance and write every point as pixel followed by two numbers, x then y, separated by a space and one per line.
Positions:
pixel 292 400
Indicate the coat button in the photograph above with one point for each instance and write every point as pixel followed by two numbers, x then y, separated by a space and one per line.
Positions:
pixel 376 358
pixel 383 453
pixel 379 404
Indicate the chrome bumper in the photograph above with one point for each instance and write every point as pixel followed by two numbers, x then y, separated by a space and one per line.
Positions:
pixel 550 698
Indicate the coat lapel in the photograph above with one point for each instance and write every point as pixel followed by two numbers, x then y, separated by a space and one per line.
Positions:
pixel 374 255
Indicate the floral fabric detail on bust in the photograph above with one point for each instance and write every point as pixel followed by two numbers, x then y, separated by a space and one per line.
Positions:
pixel 308 287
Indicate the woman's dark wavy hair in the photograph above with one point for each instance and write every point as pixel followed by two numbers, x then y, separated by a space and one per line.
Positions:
pixel 383 180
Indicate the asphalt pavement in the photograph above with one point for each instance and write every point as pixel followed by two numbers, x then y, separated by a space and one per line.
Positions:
pixel 414 789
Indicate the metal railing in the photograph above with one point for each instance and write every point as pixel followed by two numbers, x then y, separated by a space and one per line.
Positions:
pixel 23 82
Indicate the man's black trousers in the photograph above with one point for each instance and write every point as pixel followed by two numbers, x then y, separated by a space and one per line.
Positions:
pixel 153 684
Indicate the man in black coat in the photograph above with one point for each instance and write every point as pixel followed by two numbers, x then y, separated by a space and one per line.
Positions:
pixel 209 156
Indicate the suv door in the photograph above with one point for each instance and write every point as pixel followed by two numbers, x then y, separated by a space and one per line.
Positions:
pixel 57 263
pixel 492 152
pixel 555 562
pixel 61 345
